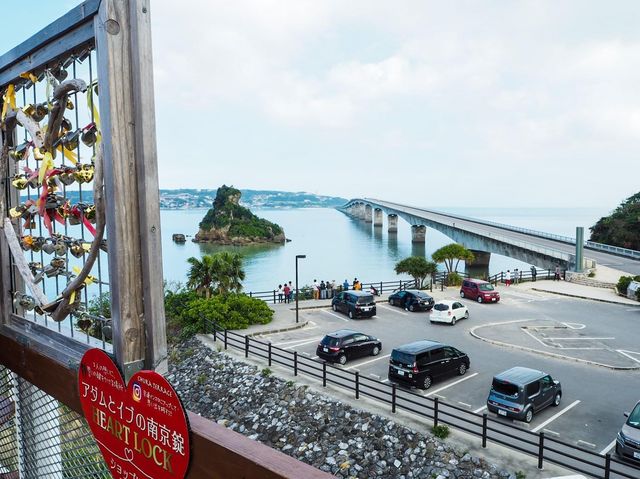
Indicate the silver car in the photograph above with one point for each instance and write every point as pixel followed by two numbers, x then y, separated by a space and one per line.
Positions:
pixel 628 440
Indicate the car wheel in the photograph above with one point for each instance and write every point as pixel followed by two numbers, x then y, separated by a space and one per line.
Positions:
pixel 556 400
pixel 479 299
pixel 350 314
pixel 528 416
pixel 342 359
pixel 466 315
pixel 431 321
pixel 462 369
pixel 426 382
pixel 462 294
pixel 412 308
pixel 391 302
pixel 453 321
pixel 376 351
pixel 335 307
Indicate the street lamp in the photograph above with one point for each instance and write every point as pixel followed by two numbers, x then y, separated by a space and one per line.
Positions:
pixel 298 256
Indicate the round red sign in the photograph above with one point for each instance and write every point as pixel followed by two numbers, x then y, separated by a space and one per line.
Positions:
pixel 141 429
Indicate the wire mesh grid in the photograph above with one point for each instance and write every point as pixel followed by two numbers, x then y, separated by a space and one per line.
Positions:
pixel 54 441
pixel 50 197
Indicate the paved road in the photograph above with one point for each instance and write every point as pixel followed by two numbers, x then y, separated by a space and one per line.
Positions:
pixel 594 397
pixel 604 259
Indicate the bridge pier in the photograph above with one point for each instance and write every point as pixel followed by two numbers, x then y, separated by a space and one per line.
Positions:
pixel 481 258
pixel 368 214
pixel 418 233
pixel 377 217
pixel 392 219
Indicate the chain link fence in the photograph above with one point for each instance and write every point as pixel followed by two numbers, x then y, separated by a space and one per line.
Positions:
pixel 42 438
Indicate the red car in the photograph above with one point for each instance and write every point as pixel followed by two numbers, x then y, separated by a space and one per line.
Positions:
pixel 481 291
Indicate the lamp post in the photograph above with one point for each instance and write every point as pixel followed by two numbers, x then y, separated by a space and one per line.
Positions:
pixel 298 256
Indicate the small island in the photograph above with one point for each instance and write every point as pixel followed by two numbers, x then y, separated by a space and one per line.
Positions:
pixel 231 224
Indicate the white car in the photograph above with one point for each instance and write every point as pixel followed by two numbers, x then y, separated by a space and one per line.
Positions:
pixel 448 312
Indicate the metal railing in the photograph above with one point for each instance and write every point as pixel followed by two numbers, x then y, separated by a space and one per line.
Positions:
pixel 537 445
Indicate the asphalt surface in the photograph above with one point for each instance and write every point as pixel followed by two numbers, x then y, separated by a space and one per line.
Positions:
pixel 563 336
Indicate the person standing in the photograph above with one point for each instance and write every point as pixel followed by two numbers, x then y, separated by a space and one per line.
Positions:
pixel 345 285
pixel 316 290
pixel 290 291
pixel 534 273
pixel 279 293
pixel 287 293
pixel 323 290
pixel 516 276
pixel 507 278
pixel 556 276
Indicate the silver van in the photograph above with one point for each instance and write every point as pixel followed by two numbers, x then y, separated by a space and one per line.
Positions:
pixel 628 440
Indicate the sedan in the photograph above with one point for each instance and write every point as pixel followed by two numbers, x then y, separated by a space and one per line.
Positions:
pixel 412 300
pixel 448 312
pixel 346 344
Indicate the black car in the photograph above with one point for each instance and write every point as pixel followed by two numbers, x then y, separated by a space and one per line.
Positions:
pixel 421 362
pixel 520 392
pixel 345 344
pixel 412 299
pixel 355 304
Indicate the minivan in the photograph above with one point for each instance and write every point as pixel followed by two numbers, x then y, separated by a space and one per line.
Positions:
pixel 355 304
pixel 346 344
pixel 628 440
pixel 419 363
pixel 519 393
pixel 479 290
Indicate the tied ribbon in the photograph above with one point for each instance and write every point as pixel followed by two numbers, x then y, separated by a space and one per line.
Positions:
pixel 75 211
pixel 29 76
pixel 88 280
pixel 68 154
pixel 9 100
pixel 92 107
pixel 47 164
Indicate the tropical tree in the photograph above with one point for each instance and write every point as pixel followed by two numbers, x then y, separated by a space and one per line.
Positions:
pixel 450 253
pixel 220 273
pixel 417 267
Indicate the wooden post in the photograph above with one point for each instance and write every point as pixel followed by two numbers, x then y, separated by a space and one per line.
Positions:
pixel 123 40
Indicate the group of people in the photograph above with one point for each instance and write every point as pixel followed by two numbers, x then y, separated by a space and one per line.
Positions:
pixel 285 293
pixel 324 289
pixel 516 276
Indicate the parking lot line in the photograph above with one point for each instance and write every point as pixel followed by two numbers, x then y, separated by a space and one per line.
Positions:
pixel 385 380
pixel 297 341
pixel 431 393
pixel 556 416
pixel 575 339
pixel 480 409
pixel 608 448
pixel 302 344
pixel 395 310
pixel 370 361
pixel 541 342
pixel 624 353
pixel 334 314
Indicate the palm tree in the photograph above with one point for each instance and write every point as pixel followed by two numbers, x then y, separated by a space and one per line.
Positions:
pixel 221 273
pixel 417 267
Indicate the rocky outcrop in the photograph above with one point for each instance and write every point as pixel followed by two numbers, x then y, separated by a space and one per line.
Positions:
pixel 311 427
pixel 229 223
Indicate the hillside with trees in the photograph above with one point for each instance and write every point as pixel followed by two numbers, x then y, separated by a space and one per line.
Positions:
pixel 622 227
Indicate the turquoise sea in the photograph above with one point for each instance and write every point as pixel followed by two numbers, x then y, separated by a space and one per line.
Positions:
pixel 338 247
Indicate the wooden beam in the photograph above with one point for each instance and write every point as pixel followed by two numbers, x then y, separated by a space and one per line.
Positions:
pixel 216 452
pixel 121 189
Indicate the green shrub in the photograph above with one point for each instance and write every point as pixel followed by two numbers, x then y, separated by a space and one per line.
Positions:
pixel 454 279
pixel 266 372
pixel 624 282
pixel 521 475
pixel 440 431
pixel 591 274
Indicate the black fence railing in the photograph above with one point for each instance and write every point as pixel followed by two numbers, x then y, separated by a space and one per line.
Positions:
pixel 487 428
pixel 526 275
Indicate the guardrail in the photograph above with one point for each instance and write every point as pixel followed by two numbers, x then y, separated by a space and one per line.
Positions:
pixel 487 428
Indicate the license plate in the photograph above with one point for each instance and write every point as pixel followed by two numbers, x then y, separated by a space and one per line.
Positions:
pixel 326 350
pixel 400 372
pixel 493 299
pixel 636 455
pixel 501 412
pixel 366 309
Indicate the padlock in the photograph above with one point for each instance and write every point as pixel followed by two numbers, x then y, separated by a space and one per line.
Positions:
pixel 49 246
pixel 70 140
pixel 89 135
pixel 20 181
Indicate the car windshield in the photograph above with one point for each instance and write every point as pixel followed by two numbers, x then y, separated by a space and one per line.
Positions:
pixel 507 389
pixel 441 307
pixel 485 287
pixel 634 417
pixel 330 341
pixel 402 358
pixel 365 299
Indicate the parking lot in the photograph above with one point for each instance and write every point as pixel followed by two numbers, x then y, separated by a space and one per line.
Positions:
pixel 565 337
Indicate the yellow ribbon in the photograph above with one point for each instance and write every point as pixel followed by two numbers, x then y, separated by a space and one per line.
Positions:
pixel 88 280
pixel 68 154
pixel 45 166
pixel 92 108
pixel 9 100
pixel 29 76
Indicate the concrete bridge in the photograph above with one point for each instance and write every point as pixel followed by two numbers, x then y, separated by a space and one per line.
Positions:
pixel 483 238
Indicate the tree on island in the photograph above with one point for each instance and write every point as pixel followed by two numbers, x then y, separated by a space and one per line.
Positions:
pixel 417 267
pixel 450 253
pixel 220 273
pixel 622 227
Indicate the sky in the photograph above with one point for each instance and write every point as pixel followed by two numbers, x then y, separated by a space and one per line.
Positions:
pixel 459 103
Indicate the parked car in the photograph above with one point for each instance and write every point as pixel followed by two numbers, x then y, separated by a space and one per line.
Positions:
pixel 448 312
pixel 345 344
pixel 412 299
pixel 628 440
pixel 422 362
pixel 519 393
pixel 479 290
pixel 355 304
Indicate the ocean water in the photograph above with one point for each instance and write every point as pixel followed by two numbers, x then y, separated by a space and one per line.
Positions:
pixel 339 247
